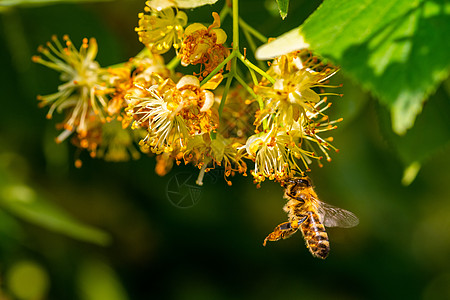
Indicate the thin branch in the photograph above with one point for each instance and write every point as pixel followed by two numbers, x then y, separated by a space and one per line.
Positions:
pixel 252 30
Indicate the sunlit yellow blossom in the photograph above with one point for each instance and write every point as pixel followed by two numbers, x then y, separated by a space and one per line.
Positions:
pixel 160 29
pixel 282 152
pixel 145 71
pixel 292 94
pixel 271 158
pixel 81 95
pixel 121 79
pixel 173 113
pixel 232 154
pixel 149 70
pixel 204 46
pixel 195 104
pixel 208 154
pixel 166 130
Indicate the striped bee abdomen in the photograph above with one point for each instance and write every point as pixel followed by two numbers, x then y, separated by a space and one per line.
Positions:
pixel 316 237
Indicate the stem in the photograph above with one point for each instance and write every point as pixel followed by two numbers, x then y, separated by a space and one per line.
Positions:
pixel 252 66
pixel 254 95
pixel 173 63
pixel 235 25
pixel 224 12
pixel 235 7
pixel 222 103
pixel 224 95
pixel 235 54
pixel 119 65
pixel 252 45
pixel 250 91
pixel 218 68
pixel 252 74
pixel 144 52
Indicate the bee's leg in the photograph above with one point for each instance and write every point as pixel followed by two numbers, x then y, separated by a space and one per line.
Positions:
pixel 302 219
pixel 282 231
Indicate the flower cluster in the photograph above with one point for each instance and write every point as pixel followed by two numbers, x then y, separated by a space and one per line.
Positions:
pixel 92 98
pixel 213 116
pixel 293 115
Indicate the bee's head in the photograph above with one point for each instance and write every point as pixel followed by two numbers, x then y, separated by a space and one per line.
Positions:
pixel 303 182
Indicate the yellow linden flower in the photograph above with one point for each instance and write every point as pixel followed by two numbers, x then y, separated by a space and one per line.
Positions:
pixel 292 94
pixel 233 154
pixel 295 146
pixel 270 158
pixel 145 71
pixel 174 113
pixel 166 130
pixel 203 45
pixel 278 152
pixel 149 70
pixel 160 29
pixel 195 103
pixel 82 93
pixel 206 154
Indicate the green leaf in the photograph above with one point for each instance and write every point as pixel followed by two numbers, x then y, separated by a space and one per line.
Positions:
pixel 430 134
pixel 397 49
pixel 193 3
pixel 23 202
pixel 283 8
pixel 290 41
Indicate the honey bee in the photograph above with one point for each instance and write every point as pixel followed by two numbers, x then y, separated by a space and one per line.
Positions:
pixel 307 213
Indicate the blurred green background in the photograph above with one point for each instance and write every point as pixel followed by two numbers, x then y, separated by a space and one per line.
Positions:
pixel 110 231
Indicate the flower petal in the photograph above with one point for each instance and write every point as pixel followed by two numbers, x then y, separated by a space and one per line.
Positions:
pixel 188 80
pixel 194 27
pixel 160 4
pixel 216 23
pixel 220 34
pixel 213 82
pixel 209 100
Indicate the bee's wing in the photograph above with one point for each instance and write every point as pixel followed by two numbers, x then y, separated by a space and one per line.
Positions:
pixel 333 216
